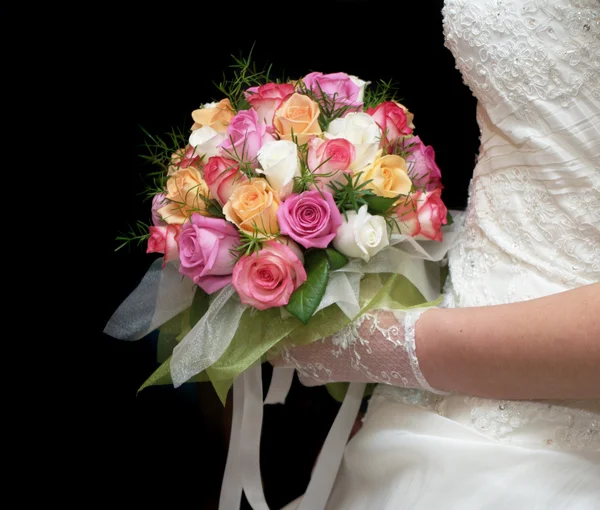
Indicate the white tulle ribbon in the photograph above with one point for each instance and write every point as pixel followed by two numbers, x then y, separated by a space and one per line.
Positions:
pixel 161 295
pixel 342 289
pixel 209 338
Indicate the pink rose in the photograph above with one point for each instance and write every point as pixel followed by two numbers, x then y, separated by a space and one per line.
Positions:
pixel 268 278
pixel 331 159
pixel 338 85
pixel 423 216
pixel 183 158
pixel 205 251
pixel 310 218
pixel 267 98
pixel 221 174
pixel 163 239
pixel 423 169
pixel 245 136
pixel 393 119
pixel 158 201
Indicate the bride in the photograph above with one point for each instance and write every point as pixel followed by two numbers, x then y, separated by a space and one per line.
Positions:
pixel 492 401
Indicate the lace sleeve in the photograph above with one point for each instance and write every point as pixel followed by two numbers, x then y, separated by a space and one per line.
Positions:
pixel 377 347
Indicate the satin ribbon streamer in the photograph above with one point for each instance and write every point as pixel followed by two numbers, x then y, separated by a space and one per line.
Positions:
pixel 242 470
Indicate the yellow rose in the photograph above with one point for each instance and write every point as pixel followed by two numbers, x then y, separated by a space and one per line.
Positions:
pixel 298 114
pixel 388 176
pixel 253 206
pixel 186 192
pixel 217 117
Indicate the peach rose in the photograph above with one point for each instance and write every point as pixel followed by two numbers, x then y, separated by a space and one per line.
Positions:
pixel 217 117
pixel 186 193
pixel 388 175
pixel 253 206
pixel 299 115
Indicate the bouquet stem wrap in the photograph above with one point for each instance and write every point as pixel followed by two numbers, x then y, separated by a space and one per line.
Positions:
pixel 219 337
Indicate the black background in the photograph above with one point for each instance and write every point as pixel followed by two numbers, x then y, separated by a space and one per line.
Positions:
pixel 150 67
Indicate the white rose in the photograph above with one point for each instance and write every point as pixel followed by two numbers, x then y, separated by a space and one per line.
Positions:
pixel 280 164
pixel 361 130
pixel 210 105
pixel 362 84
pixel 206 142
pixel 362 235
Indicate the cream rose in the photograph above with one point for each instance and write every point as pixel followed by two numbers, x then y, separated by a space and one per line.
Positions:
pixel 206 142
pixel 388 176
pixel 362 131
pixel 214 115
pixel 253 206
pixel 299 115
pixel 279 163
pixel 361 235
pixel 186 194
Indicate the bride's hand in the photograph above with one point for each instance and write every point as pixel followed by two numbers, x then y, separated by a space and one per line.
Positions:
pixel 378 347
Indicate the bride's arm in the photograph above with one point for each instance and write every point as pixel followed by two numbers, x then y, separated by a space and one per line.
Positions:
pixel 542 348
pixel 547 348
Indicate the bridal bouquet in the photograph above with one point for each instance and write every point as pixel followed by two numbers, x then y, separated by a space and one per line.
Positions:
pixel 289 207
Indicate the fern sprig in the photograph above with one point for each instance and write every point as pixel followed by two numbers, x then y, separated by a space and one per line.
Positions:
pixel 245 75
pixel 351 194
pixel 252 242
pixel 381 92
pixel 138 234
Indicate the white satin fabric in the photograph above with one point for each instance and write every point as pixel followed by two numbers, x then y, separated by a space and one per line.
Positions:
pixel 532 228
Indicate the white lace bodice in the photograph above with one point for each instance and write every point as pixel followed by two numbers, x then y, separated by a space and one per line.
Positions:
pixel 533 221
pixel 532 227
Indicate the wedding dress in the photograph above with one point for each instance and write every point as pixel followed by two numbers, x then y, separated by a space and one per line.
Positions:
pixel 532 228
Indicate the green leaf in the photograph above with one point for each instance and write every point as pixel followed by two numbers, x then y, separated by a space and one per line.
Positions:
pixel 449 218
pixel 162 376
pixel 380 205
pixel 335 258
pixel 305 300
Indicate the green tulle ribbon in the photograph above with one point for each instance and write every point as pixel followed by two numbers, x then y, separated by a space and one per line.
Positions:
pixel 261 334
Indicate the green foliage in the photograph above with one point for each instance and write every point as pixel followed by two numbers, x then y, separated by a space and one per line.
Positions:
pixel 158 155
pixel 245 75
pixel 138 234
pixel 351 194
pixel 380 205
pixel 252 242
pixel 335 258
pixel 305 300
pixel 379 92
